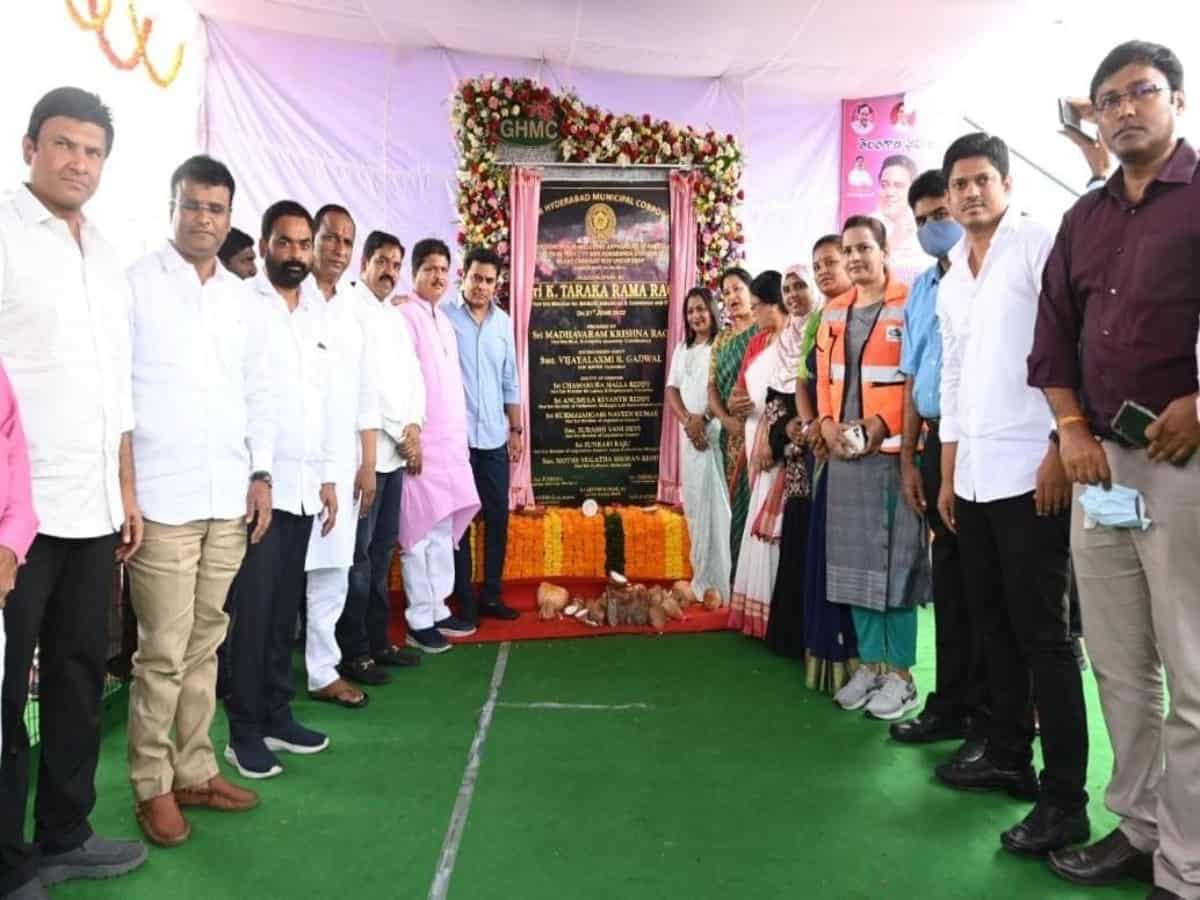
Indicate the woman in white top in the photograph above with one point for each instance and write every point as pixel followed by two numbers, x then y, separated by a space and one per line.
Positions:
pixel 705 496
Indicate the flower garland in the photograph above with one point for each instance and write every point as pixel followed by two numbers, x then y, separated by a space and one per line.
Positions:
pixel 98 15
pixel 591 135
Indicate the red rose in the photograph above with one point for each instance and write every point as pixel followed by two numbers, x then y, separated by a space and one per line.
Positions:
pixel 741 195
pixel 462 239
pixel 646 120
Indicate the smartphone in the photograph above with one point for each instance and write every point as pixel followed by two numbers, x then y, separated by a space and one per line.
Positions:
pixel 1131 422
pixel 1068 116
pixel 856 439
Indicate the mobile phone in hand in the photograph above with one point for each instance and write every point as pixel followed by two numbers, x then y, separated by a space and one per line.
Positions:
pixel 1069 118
pixel 1131 422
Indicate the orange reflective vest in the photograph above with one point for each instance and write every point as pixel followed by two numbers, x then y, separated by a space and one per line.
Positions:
pixel 882 383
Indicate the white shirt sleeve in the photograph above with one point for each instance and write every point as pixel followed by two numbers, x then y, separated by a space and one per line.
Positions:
pixel 675 375
pixel 125 364
pixel 952 361
pixel 261 402
pixel 408 406
pixel 368 379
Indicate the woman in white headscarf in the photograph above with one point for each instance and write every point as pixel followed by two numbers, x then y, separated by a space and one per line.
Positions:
pixel 769 378
pixel 793 491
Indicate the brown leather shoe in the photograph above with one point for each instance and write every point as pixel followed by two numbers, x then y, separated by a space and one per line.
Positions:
pixel 162 821
pixel 218 793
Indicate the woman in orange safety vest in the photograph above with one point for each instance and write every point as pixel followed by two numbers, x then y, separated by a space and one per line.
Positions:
pixel 877 559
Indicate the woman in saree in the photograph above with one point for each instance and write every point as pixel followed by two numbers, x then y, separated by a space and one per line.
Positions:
pixel 792 410
pixel 754 582
pixel 704 493
pixel 877 546
pixel 728 351
pixel 829 640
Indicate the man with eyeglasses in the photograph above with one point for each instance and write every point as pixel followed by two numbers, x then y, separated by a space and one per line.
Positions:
pixel 1117 324
pixel 202 402
pixel 1005 493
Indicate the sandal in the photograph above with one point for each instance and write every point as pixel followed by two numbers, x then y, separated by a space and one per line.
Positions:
pixel 339 694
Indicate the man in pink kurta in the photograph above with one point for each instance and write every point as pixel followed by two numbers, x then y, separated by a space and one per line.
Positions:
pixel 18 523
pixel 439 498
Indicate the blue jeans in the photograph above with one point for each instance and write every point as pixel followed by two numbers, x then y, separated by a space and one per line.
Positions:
pixel 490 468
pixel 363 628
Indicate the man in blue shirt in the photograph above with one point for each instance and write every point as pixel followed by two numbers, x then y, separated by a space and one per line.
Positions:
pixel 487 354
pixel 955 708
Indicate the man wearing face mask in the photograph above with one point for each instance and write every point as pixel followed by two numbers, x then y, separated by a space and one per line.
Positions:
pixel 286 319
pixel 439 489
pixel 362 631
pixel 1121 285
pixel 955 709
pixel 1005 493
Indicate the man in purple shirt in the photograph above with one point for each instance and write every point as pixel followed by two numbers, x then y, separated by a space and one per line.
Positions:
pixel 1117 323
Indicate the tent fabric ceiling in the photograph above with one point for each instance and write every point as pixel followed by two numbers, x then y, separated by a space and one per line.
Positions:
pixel 811 49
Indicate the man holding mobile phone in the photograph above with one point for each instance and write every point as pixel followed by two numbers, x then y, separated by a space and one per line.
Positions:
pixel 1117 326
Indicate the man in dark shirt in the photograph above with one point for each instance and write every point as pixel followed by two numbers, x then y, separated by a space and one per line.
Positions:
pixel 1117 322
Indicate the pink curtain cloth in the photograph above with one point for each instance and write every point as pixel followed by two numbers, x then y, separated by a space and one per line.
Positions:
pixel 524 195
pixel 683 279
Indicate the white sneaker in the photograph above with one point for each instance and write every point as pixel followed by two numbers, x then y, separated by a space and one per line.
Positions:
pixel 897 696
pixel 859 689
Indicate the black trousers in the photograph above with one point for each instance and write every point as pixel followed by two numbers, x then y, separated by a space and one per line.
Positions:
pixel 61 602
pixel 490 468
pixel 962 683
pixel 264 600
pixel 1016 564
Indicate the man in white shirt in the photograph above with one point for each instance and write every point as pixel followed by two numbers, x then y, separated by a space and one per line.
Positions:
pixel 64 339
pixel 287 321
pixel 202 400
pixel 362 631
pixel 357 410
pixel 1005 493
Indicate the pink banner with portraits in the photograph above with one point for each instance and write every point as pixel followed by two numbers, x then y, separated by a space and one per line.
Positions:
pixel 883 150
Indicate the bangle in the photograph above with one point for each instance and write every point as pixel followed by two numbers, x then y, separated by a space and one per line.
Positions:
pixel 263 476
pixel 1070 420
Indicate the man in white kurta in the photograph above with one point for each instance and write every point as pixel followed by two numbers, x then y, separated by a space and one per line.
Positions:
pixel 355 409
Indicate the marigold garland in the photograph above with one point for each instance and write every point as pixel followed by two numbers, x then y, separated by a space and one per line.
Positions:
pixel 100 11
pixel 592 135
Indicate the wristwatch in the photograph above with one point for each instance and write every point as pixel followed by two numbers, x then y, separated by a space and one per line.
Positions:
pixel 263 476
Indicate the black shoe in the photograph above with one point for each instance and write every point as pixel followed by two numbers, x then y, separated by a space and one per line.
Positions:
pixel 396 656
pixel 364 671
pixel 1161 893
pixel 928 728
pixel 497 610
pixel 981 775
pixel 1047 828
pixel 970 751
pixel 1108 861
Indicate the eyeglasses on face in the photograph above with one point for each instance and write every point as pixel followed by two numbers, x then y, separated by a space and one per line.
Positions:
pixel 1138 94
pixel 216 210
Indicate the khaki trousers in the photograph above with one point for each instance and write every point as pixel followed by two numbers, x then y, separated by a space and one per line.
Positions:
pixel 1140 597
pixel 178 582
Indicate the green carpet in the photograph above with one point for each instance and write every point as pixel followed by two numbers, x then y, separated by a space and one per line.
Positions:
pixel 737 782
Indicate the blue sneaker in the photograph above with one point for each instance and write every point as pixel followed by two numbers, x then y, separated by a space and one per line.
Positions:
pixel 252 759
pixel 293 737
pixel 453 626
pixel 428 640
